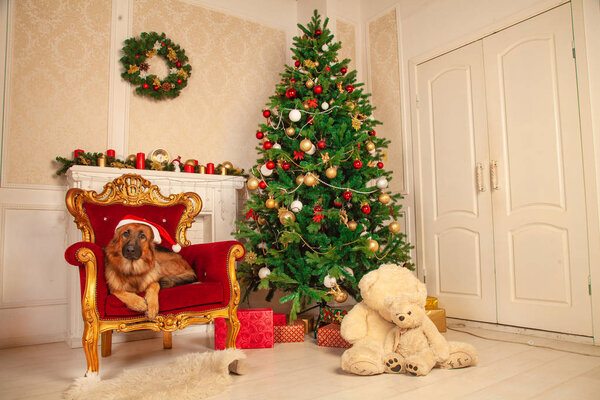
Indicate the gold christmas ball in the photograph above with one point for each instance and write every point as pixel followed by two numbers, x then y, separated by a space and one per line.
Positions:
pixel 305 145
pixel 317 63
pixel 341 296
pixel 394 227
pixel 310 180
pixel 271 203
pixel 131 158
pixel 331 172
pixel 261 220
pixel 335 59
pixel 190 162
pixel 350 105
pixel 287 216
pixel 299 179
pixel 352 225
pixel 252 183
pixel 370 146
pixel 384 198
pixel 309 83
pixel 290 131
pixel 373 245
pixel 227 165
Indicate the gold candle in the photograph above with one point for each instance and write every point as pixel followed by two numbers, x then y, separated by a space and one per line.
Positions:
pixel 202 169
pixel 223 171
pixel 101 161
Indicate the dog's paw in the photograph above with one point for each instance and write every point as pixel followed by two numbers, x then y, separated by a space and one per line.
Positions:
pixel 139 304
pixel 394 364
pixel 152 312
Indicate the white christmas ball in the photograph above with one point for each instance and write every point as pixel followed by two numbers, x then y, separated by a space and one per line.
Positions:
pixel 324 47
pixel 349 271
pixel 295 115
pixel 372 152
pixel 382 183
pixel 312 150
pixel 265 171
pixel 276 146
pixel 264 272
pixel 329 281
pixel 296 206
pixel 325 105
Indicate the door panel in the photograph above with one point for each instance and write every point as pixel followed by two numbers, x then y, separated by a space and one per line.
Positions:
pixel 457 224
pixel 539 209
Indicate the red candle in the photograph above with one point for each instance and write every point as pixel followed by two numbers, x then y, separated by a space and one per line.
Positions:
pixel 77 152
pixel 196 162
pixel 188 168
pixel 210 168
pixel 140 161
pixel 110 153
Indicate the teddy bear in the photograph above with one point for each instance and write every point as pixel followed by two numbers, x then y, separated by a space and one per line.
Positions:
pixel 371 327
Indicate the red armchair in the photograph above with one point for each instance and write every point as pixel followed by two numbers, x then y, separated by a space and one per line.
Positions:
pixel 215 295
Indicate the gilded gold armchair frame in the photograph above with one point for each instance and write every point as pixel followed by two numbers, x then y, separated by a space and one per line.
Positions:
pixel 134 190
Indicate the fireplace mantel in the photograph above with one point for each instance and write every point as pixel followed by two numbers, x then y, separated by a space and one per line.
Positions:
pixel 216 221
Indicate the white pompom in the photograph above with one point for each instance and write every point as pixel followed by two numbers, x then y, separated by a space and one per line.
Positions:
pixel 329 281
pixel 295 115
pixel 264 272
pixel 265 171
pixel 176 248
pixel 296 206
pixel 325 105
pixel 382 183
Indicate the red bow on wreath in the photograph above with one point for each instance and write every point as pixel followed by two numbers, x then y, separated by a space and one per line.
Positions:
pixel 311 103
pixel 251 214
pixel 298 155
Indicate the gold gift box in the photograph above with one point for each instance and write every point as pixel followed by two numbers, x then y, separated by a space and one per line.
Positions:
pixel 309 323
pixel 431 303
pixel 438 317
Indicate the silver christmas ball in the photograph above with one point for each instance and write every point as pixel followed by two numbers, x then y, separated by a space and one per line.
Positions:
pixel 382 183
pixel 325 105
pixel 329 281
pixel 265 171
pixel 296 206
pixel 264 272
pixel 295 115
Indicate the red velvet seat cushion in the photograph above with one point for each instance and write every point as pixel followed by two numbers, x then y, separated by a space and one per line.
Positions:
pixel 198 296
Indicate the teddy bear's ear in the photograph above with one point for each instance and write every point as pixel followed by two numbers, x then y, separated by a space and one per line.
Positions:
pixel 368 280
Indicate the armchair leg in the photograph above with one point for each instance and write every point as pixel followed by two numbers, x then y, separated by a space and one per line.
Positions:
pixel 167 340
pixel 90 347
pixel 106 343
pixel 233 327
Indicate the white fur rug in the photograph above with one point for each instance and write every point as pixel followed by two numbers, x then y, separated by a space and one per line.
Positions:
pixel 192 376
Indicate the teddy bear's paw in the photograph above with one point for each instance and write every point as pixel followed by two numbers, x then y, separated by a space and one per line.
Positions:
pixel 415 369
pixel 365 368
pixel 394 364
pixel 458 359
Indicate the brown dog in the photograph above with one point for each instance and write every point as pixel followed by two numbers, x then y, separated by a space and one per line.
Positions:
pixel 135 265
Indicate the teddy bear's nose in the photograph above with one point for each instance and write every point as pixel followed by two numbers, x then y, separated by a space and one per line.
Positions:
pixel 401 318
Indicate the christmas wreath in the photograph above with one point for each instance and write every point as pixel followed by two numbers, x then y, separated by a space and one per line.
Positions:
pixel 137 53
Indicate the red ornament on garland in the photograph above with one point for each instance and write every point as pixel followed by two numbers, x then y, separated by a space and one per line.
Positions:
pixel 163 44
pixel 270 164
pixel 321 144
pixel 365 209
pixel 343 70
pixel 137 56
pixel 156 88
pixel 297 63
pixel 179 81
pixel 372 133
pixel 318 32
pixel 357 164
pixel 380 165
pixel 260 135
pixel 267 145
pixel 266 113
pixel 347 195
pixel 349 88
pixel 291 93
pixel 145 86
pixel 285 165
pixel 262 184
pixel 178 64
pixel 337 203
pixel 328 68
pixel 292 80
pixel 318 89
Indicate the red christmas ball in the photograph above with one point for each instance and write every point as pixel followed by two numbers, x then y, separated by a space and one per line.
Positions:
pixel 163 44
pixel 380 165
pixel 297 63
pixel 372 133
pixel 365 209
pixel 145 86
pixel 343 70
pixel 156 88
pixel 266 113
pixel 292 80
pixel 290 93
pixel 179 81
pixel 357 164
pixel 337 203
pixel 318 32
pixel 262 184
pixel 347 195
pixel 349 88
pixel 260 135
pixel 318 89
pixel 328 68
pixel 267 145
pixel 178 64
pixel 321 144
pixel 285 165
pixel 137 56
pixel 270 164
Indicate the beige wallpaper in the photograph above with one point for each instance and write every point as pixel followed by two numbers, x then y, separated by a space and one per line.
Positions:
pixel 58 85
pixel 385 87
pixel 235 66
pixel 346 34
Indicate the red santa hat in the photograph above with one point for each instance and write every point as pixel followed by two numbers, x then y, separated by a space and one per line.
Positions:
pixel 160 233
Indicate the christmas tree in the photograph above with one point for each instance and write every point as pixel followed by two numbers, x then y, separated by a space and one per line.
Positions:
pixel 319 216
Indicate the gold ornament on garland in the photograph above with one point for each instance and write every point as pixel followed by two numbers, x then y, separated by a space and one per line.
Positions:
pixel 305 145
pixel 270 203
pixel 138 51
pixel 309 84
pixel 373 245
pixel 299 180
pixel 331 172
pixel 286 215
pixel 311 179
pixel 352 225
pixel 370 146
pixel 250 257
pixel 252 183
pixel 290 131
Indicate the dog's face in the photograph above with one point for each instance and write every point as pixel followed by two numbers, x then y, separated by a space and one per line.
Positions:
pixel 134 240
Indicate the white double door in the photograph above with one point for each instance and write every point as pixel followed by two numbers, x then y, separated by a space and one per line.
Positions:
pixel 503 213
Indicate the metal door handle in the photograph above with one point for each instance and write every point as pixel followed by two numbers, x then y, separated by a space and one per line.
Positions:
pixel 494 175
pixel 479 176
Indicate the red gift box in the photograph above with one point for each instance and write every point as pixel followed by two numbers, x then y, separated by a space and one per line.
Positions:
pixel 289 333
pixel 329 336
pixel 256 329
pixel 279 319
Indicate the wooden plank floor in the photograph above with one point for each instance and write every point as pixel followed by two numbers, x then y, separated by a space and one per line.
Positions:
pixel 506 370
